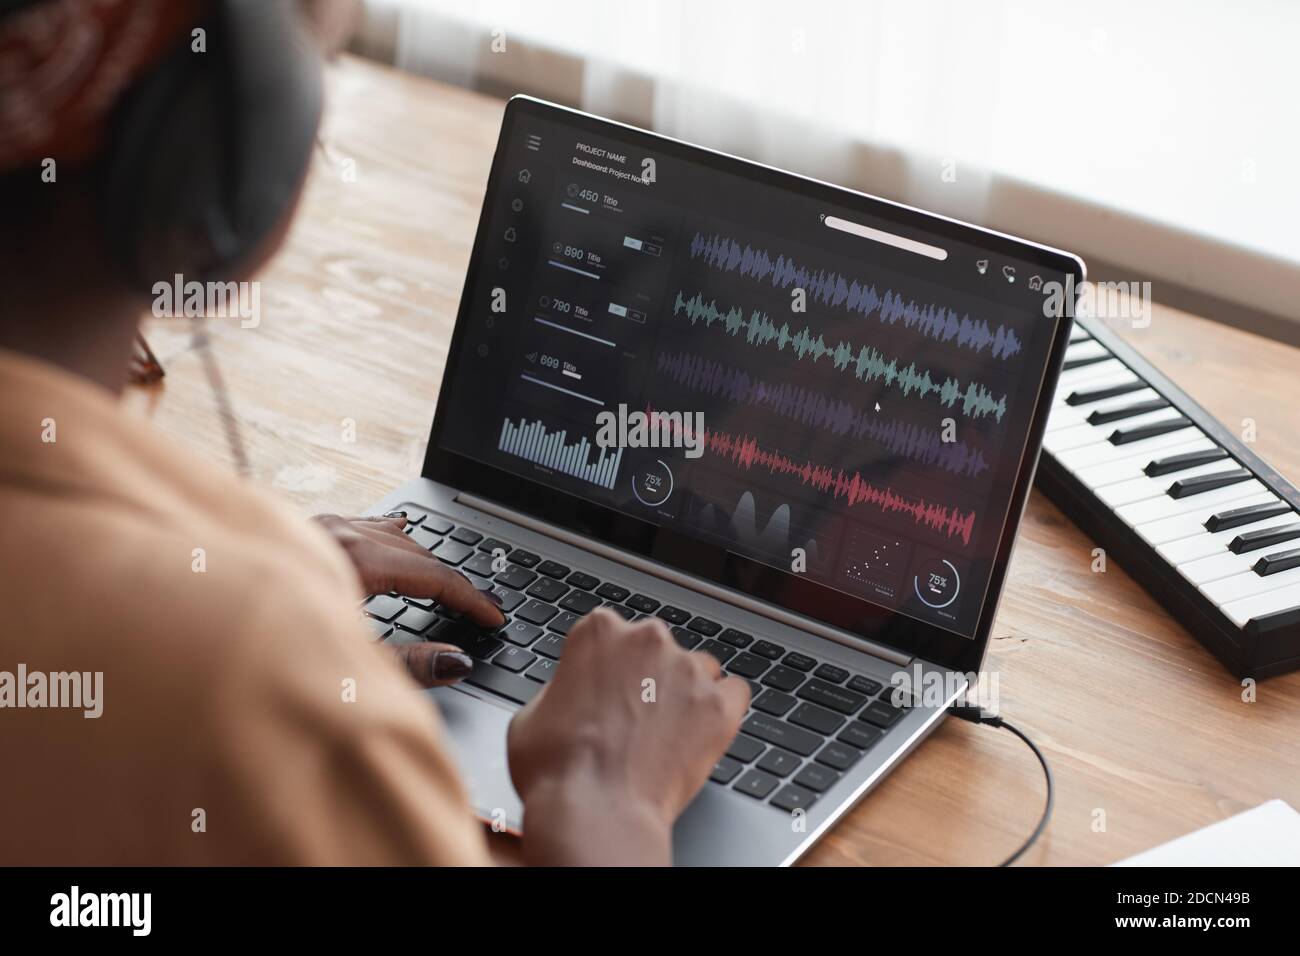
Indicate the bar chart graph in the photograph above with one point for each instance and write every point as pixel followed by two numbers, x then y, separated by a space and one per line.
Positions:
pixel 552 449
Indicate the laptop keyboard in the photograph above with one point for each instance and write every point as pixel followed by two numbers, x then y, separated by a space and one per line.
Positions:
pixel 808 722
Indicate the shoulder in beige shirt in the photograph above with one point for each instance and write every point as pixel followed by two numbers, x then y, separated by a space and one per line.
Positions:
pixel 246 718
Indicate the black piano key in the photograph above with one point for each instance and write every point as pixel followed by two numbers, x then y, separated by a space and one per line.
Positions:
pixel 1189 459
pixel 1089 395
pixel 1090 360
pixel 1287 620
pixel 1186 487
pixel 1282 561
pixel 1264 538
pixel 1128 411
pixel 1236 517
pixel 1123 436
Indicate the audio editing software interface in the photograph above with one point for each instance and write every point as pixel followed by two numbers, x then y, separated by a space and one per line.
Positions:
pixel 848 410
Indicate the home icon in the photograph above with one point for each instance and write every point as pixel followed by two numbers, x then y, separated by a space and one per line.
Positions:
pixel 1036 283
pixel 525 176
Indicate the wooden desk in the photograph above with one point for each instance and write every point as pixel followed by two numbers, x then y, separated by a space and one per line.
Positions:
pixel 1139 722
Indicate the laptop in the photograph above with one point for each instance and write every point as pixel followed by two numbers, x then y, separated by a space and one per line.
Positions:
pixel 796 423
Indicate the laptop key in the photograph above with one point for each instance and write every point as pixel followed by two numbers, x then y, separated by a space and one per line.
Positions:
pixel 725 770
pixel 551 645
pixel 516 577
pixel 582 580
pixel 525 558
pixel 800 662
pixel 673 615
pixel 466 536
pixel 416 620
pixel 778 762
pixel 452 552
pixel 536 612
pixel 744 748
pixel 514 659
pixel 626 613
pixel 478 644
pixel 860 735
pixel 563 622
pixel 500 681
pixel 774 702
pixel 703 625
pixel 380 629
pixel 832 673
pixel 769 650
pixel 521 633
pixel 757 784
pixel 748 665
pixel 384 607
pixel 426 538
pixel 735 638
pixel 543 670
pixel 816 777
pixel 553 569
pixel 580 602
pixel 642 603
pixel 488 545
pixel 793 798
pixel 782 678
pixel 865 685
pixel 547 589
pixel 828 695
pixel 427 603
pixel 816 718
pixel 510 599
pixel 778 732
pixel 434 522
pixel 881 713
pixel 721 651
pixel 613 592
pixel 480 564
pixel 399 637
pixel 837 755
pixel 687 639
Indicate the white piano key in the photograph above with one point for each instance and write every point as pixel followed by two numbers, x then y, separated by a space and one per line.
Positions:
pixel 1078 436
pixel 1101 453
pixel 1141 488
pixel 1088 348
pixel 1240 586
pixel 1225 565
pixel 1066 415
pixel 1208 543
pixel 1076 376
pixel 1270 602
pixel 1098 476
pixel 1193 523
pixel 1207 503
pixel 1107 379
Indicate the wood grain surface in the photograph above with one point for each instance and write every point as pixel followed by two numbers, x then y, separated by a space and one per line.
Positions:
pixel 1148 736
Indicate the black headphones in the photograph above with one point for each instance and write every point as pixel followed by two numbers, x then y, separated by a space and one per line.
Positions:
pixel 207 151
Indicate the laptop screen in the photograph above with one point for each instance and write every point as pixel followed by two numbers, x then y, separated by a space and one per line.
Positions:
pixel 829 386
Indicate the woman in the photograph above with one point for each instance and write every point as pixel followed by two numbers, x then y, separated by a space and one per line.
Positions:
pixel 244 717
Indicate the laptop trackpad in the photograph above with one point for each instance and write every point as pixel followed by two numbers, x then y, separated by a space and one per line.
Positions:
pixel 477 729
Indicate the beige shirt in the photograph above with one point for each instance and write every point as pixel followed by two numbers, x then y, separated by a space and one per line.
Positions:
pixel 228 734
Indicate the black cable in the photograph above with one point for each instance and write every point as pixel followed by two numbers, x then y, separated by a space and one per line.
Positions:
pixel 976 715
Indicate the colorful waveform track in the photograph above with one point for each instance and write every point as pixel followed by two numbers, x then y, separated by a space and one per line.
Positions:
pixel 745 452
pixel 937 322
pixel 920 445
pixel 866 363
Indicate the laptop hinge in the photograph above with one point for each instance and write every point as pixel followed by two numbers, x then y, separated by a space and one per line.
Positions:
pixel 681 579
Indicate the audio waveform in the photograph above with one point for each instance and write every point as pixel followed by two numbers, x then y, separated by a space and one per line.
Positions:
pixel 532 441
pixel 745 452
pixel 867 363
pixel 830 288
pixel 921 445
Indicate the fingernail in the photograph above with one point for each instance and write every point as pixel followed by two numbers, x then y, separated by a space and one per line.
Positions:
pixel 395 514
pixel 451 665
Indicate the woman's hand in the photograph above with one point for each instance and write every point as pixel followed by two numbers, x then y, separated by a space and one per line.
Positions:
pixel 387 560
pixel 619 742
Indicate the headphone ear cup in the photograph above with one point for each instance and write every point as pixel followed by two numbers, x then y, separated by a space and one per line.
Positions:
pixel 209 151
